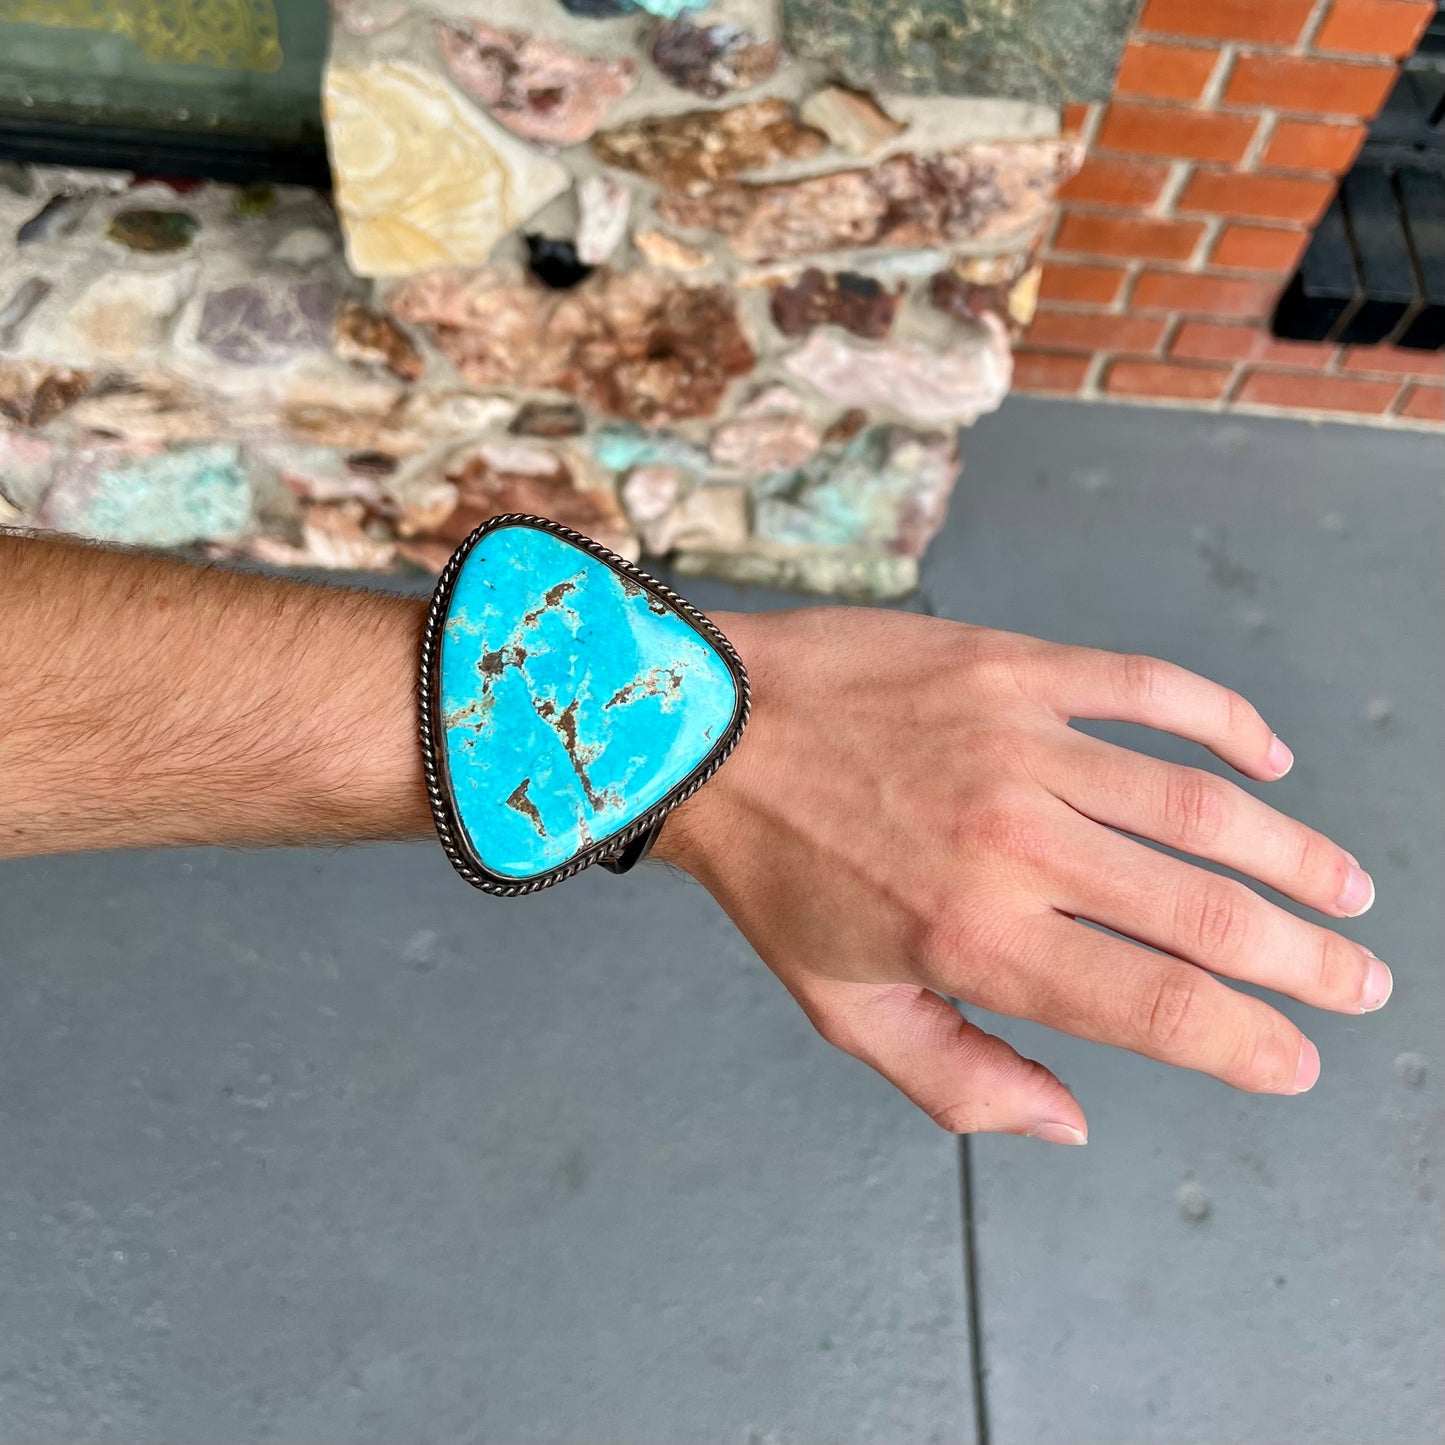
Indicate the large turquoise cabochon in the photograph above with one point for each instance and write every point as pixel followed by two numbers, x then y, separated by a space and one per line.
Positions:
pixel 572 700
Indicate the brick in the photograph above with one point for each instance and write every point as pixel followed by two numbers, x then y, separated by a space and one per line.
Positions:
pixel 1081 283
pixel 1303 145
pixel 1097 234
pixel 1164 72
pixel 1309 87
pixel 1395 361
pixel 1041 371
pixel 1424 403
pixel 1259 248
pixel 1374 27
pixel 1205 295
pixel 1074 119
pixel 1106 182
pixel 1260 22
pixel 1096 331
pixel 1175 133
pixel 1301 392
pixel 1167 379
pixel 1261 197
pixel 1226 341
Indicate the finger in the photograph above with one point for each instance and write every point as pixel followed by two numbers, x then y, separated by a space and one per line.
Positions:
pixel 1114 992
pixel 1082 682
pixel 1197 812
pixel 965 1080
pixel 1216 923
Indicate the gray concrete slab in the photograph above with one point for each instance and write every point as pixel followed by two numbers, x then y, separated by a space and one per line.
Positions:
pixel 1213 1267
pixel 323 1146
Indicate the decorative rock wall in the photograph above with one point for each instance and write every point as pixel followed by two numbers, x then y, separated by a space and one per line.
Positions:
pixel 635 268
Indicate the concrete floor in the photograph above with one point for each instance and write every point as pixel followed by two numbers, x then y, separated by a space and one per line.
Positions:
pixel 321 1146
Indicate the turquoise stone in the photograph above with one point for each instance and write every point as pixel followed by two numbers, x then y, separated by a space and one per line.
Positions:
pixel 571 700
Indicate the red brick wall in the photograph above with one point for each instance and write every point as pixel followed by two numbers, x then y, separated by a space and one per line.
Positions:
pixel 1221 148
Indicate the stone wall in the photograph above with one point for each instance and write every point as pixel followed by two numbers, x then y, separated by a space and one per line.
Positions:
pixel 660 277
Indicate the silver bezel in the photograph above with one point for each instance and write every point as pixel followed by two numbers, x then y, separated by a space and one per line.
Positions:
pixel 453 836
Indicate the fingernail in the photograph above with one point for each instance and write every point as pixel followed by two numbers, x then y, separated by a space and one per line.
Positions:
pixel 1379 983
pixel 1058 1134
pixel 1309 1068
pixel 1358 893
pixel 1279 758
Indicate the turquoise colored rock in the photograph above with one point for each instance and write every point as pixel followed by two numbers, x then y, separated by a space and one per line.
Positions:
pixel 571 700
pixel 157 499
pixel 887 490
pixel 620 448
pixel 671 9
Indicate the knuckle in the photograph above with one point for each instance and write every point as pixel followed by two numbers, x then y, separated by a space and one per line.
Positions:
pixel 1140 676
pixel 1002 826
pixel 1215 918
pixel 1267 1059
pixel 1198 805
pixel 1171 1011
pixel 949 936
pixel 1239 713
pixel 956 1118
pixel 1339 970
pixel 994 667
pixel 1318 865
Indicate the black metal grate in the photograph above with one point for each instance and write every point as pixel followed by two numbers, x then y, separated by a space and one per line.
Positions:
pixel 1375 268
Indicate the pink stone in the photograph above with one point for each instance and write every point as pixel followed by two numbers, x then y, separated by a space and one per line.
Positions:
pixel 767 443
pixel 985 191
pixel 640 346
pixel 602 208
pixel 538 89
pixel 967 378
pixel 649 491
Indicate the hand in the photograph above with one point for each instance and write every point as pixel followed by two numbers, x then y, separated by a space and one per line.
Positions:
pixel 909 818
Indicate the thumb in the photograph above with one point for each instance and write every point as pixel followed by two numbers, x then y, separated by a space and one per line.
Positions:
pixel 967 1081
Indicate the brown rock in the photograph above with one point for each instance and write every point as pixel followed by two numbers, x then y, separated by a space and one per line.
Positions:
pixel 549 419
pixel 846 426
pixel 151 407
pixel 364 335
pixel 701 147
pixel 856 303
pixel 343 534
pixel 969 302
pixel 974 192
pixel 640 346
pixel 853 121
pixel 535 87
pixel 519 476
pixel 31 396
pixel 711 60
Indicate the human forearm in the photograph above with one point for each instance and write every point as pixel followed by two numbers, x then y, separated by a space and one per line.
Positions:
pixel 909 818
pixel 148 701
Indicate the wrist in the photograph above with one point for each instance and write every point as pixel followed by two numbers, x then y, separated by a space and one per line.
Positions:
pixel 697 833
